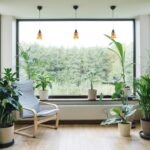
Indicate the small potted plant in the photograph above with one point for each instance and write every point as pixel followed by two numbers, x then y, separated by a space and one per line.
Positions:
pixel 8 104
pixel 43 82
pixel 143 90
pixel 121 115
pixel 92 93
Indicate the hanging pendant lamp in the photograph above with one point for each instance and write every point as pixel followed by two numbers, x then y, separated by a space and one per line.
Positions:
pixel 76 35
pixel 39 35
pixel 113 34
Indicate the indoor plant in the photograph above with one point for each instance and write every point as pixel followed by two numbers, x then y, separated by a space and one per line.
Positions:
pixel 42 82
pixel 143 90
pixel 121 115
pixel 8 104
pixel 92 93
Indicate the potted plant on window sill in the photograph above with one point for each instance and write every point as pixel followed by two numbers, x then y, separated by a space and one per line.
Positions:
pixel 92 93
pixel 8 104
pixel 43 81
pixel 143 90
pixel 121 115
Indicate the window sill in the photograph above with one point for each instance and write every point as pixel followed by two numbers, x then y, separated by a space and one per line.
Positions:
pixel 87 102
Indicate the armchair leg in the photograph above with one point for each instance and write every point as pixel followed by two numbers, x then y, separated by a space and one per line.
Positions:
pixel 35 126
pixel 57 121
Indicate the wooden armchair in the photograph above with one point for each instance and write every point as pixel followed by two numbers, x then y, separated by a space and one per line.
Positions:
pixel 34 109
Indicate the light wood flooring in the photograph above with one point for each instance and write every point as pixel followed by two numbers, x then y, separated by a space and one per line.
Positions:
pixel 81 137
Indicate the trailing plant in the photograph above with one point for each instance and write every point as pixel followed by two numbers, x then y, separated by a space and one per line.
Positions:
pixel 8 98
pixel 44 80
pixel 143 90
pixel 120 115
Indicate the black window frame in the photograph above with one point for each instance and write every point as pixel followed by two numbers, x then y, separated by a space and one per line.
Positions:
pixel 81 19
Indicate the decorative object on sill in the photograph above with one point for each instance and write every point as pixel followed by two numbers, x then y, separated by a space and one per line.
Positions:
pixel 39 35
pixel 76 35
pixel 43 81
pixel 92 93
pixel 142 88
pixel 113 34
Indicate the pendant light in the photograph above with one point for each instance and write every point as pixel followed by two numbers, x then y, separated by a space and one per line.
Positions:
pixel 39 35
pixel 113 34
pixel 75 36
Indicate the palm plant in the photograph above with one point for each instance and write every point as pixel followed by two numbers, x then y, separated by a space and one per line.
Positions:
pixel 143 90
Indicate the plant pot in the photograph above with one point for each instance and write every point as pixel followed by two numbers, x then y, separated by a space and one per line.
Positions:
pixel 6 136
pixel 146 127
pixel 124 129
pixel 43 95
pixel 92 94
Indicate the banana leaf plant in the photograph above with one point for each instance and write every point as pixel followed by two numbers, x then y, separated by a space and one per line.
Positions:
pixel 120 85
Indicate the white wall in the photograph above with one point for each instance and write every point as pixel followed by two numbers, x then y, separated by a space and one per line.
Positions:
pixel 142 43
pixel 8 42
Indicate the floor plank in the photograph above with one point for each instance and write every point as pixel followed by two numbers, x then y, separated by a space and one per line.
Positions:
pixel 81 137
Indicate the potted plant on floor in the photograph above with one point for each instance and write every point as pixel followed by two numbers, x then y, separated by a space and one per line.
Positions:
pixel 8 104
pixel 143 90
pixel 44 81
pixel 121 115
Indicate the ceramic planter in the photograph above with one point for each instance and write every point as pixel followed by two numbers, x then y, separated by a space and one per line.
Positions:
pixel 6 136
pixel 146 127
pixel 124 129
pixel 43 95
pixel 92 94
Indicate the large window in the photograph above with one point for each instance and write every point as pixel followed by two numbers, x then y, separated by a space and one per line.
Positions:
pixel 73 63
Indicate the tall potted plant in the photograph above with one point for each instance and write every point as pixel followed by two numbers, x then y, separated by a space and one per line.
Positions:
pixel 44 81
pixel 8 104
pixel 121 116
pixel 121 92
pixel 143 90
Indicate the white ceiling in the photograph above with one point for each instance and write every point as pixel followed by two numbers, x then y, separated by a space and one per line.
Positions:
pixel 26 9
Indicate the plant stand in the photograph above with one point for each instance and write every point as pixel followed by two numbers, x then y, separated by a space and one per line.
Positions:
pixel 142 135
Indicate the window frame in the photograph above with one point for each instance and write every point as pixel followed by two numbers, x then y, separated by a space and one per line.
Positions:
pixel 79 19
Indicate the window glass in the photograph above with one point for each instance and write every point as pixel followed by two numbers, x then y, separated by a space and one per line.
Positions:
pixel 74 62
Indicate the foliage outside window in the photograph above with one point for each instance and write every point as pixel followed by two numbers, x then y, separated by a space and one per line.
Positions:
pixel 70 62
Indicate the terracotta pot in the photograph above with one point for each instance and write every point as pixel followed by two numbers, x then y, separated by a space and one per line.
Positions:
pixel 6 136
pixel 146 127
pixel 124 129
pixel 43 95
pixel 92 94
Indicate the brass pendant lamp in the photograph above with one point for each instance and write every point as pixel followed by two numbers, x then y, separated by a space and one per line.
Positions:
pixel 39 34
pixel 113 33
pixel 76 35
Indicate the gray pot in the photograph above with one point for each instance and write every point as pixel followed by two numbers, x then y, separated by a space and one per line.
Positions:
pixel 6 136
pixel 146 127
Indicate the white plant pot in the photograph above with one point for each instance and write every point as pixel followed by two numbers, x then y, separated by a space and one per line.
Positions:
pixel 124 129
pixel 92 94
pixel 43 95
pixel 6 136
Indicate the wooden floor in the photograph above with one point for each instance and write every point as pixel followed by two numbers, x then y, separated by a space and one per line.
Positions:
pixel 81 137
